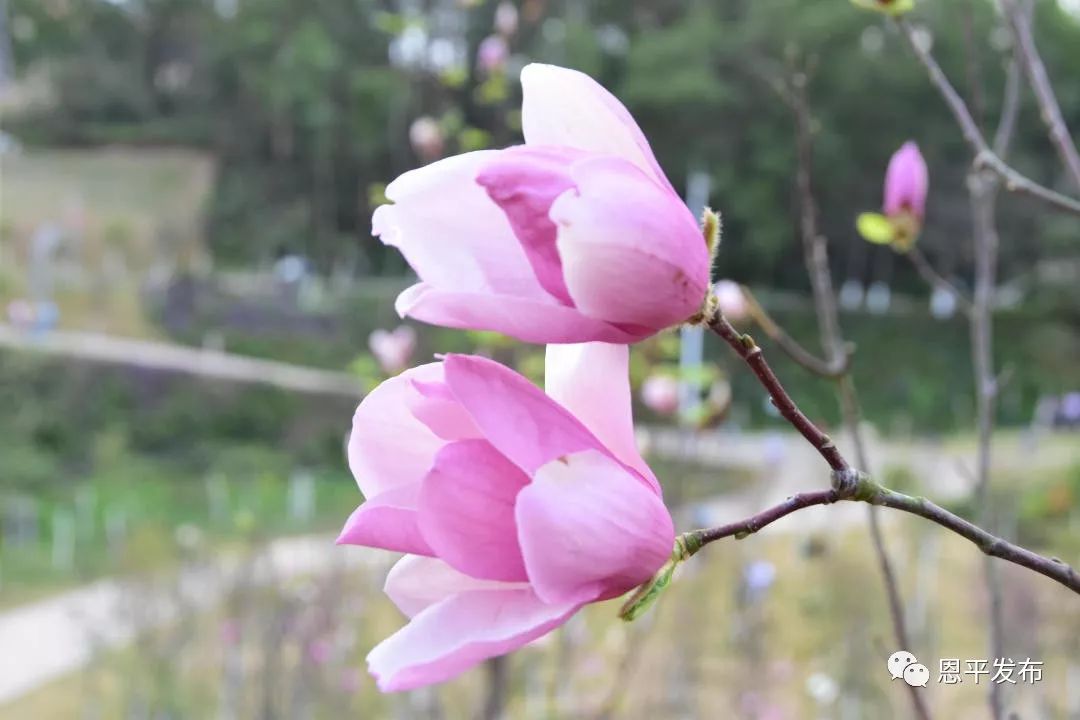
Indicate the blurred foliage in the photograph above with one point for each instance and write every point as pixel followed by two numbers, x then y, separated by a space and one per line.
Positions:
pixel 70 420
pixel 307 114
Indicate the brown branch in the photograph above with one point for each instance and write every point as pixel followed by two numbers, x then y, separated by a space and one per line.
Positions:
pixel 983 190
pixel 1044 91
pixel 816 256
pixel 751 354
pixel 830 369
pixel 985 158
pixel 742 528
pixel 869 492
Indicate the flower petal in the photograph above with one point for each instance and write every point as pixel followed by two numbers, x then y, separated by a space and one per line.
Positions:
pixel 452 636
pixel 388 446
pixel 436 407
pixel 514 415
pixel 588 526
pixel 568 108
pixel 906 181
pixel 528 320
pixel 388 521
pixel 592 381
pixel 417 582
pixel 524 181
pixel 450 231
pixel 631 252
pixel 467 511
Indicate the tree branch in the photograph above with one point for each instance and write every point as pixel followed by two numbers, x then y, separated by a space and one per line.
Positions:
pixel 870 492
pixel 831 369
pixel 985 158
pixel 816 257
pixel 934 279
pixel 751 354
pixel 1044 91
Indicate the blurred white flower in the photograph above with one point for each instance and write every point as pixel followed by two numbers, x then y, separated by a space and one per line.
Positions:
pixel 426 138
pixel 730 300
pixel 660 393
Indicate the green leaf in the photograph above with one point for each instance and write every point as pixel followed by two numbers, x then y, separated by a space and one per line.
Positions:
pixel 875 228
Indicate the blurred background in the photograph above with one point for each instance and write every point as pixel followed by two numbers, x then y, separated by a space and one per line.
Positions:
pixel 193 305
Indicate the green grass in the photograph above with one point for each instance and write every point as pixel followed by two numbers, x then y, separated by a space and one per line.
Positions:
pixel 161 505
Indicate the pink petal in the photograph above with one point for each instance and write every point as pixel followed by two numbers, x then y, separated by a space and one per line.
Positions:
pixel 592 381
pixel 389 521
pixel 587 526
pixel 388 446
pixel 528 320
pixel 906 181
pixel 631 252
pixel 417 582
pixel 450 231
pixel 467 511
pixel 568 108
pixel 452 636
pixel 524 181
pixel 436 407
pixel 515 416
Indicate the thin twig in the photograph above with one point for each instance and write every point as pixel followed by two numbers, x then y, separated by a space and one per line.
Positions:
pixel 983 193
pixel 816 256
pixel 751 354
pixel 832 369
pixel 935 279
pixel 1044 91
pixel 1010 107
pixel 985 158
pixel 870 492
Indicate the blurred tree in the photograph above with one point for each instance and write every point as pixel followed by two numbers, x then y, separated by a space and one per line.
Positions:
pixel 308 107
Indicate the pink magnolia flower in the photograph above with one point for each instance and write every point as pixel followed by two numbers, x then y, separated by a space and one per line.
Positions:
pixel 660 393
pixel 515 507
pixel 575 236
pixel 906 182
pixel 393 349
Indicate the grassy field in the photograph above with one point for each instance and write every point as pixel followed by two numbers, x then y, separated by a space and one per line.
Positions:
pixel 814 643
pixel 124 215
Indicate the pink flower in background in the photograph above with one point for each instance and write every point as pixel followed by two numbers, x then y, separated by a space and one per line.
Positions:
pixel 426 138
pixel 229 632
pixel 730 300
pixel 492 54
pixel 515 507
pixel 575 236
pixel 906 182
pixel 660 393
pixel 393 349
pixel 320 651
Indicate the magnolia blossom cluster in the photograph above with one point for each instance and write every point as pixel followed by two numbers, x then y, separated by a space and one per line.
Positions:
pixel 515 506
